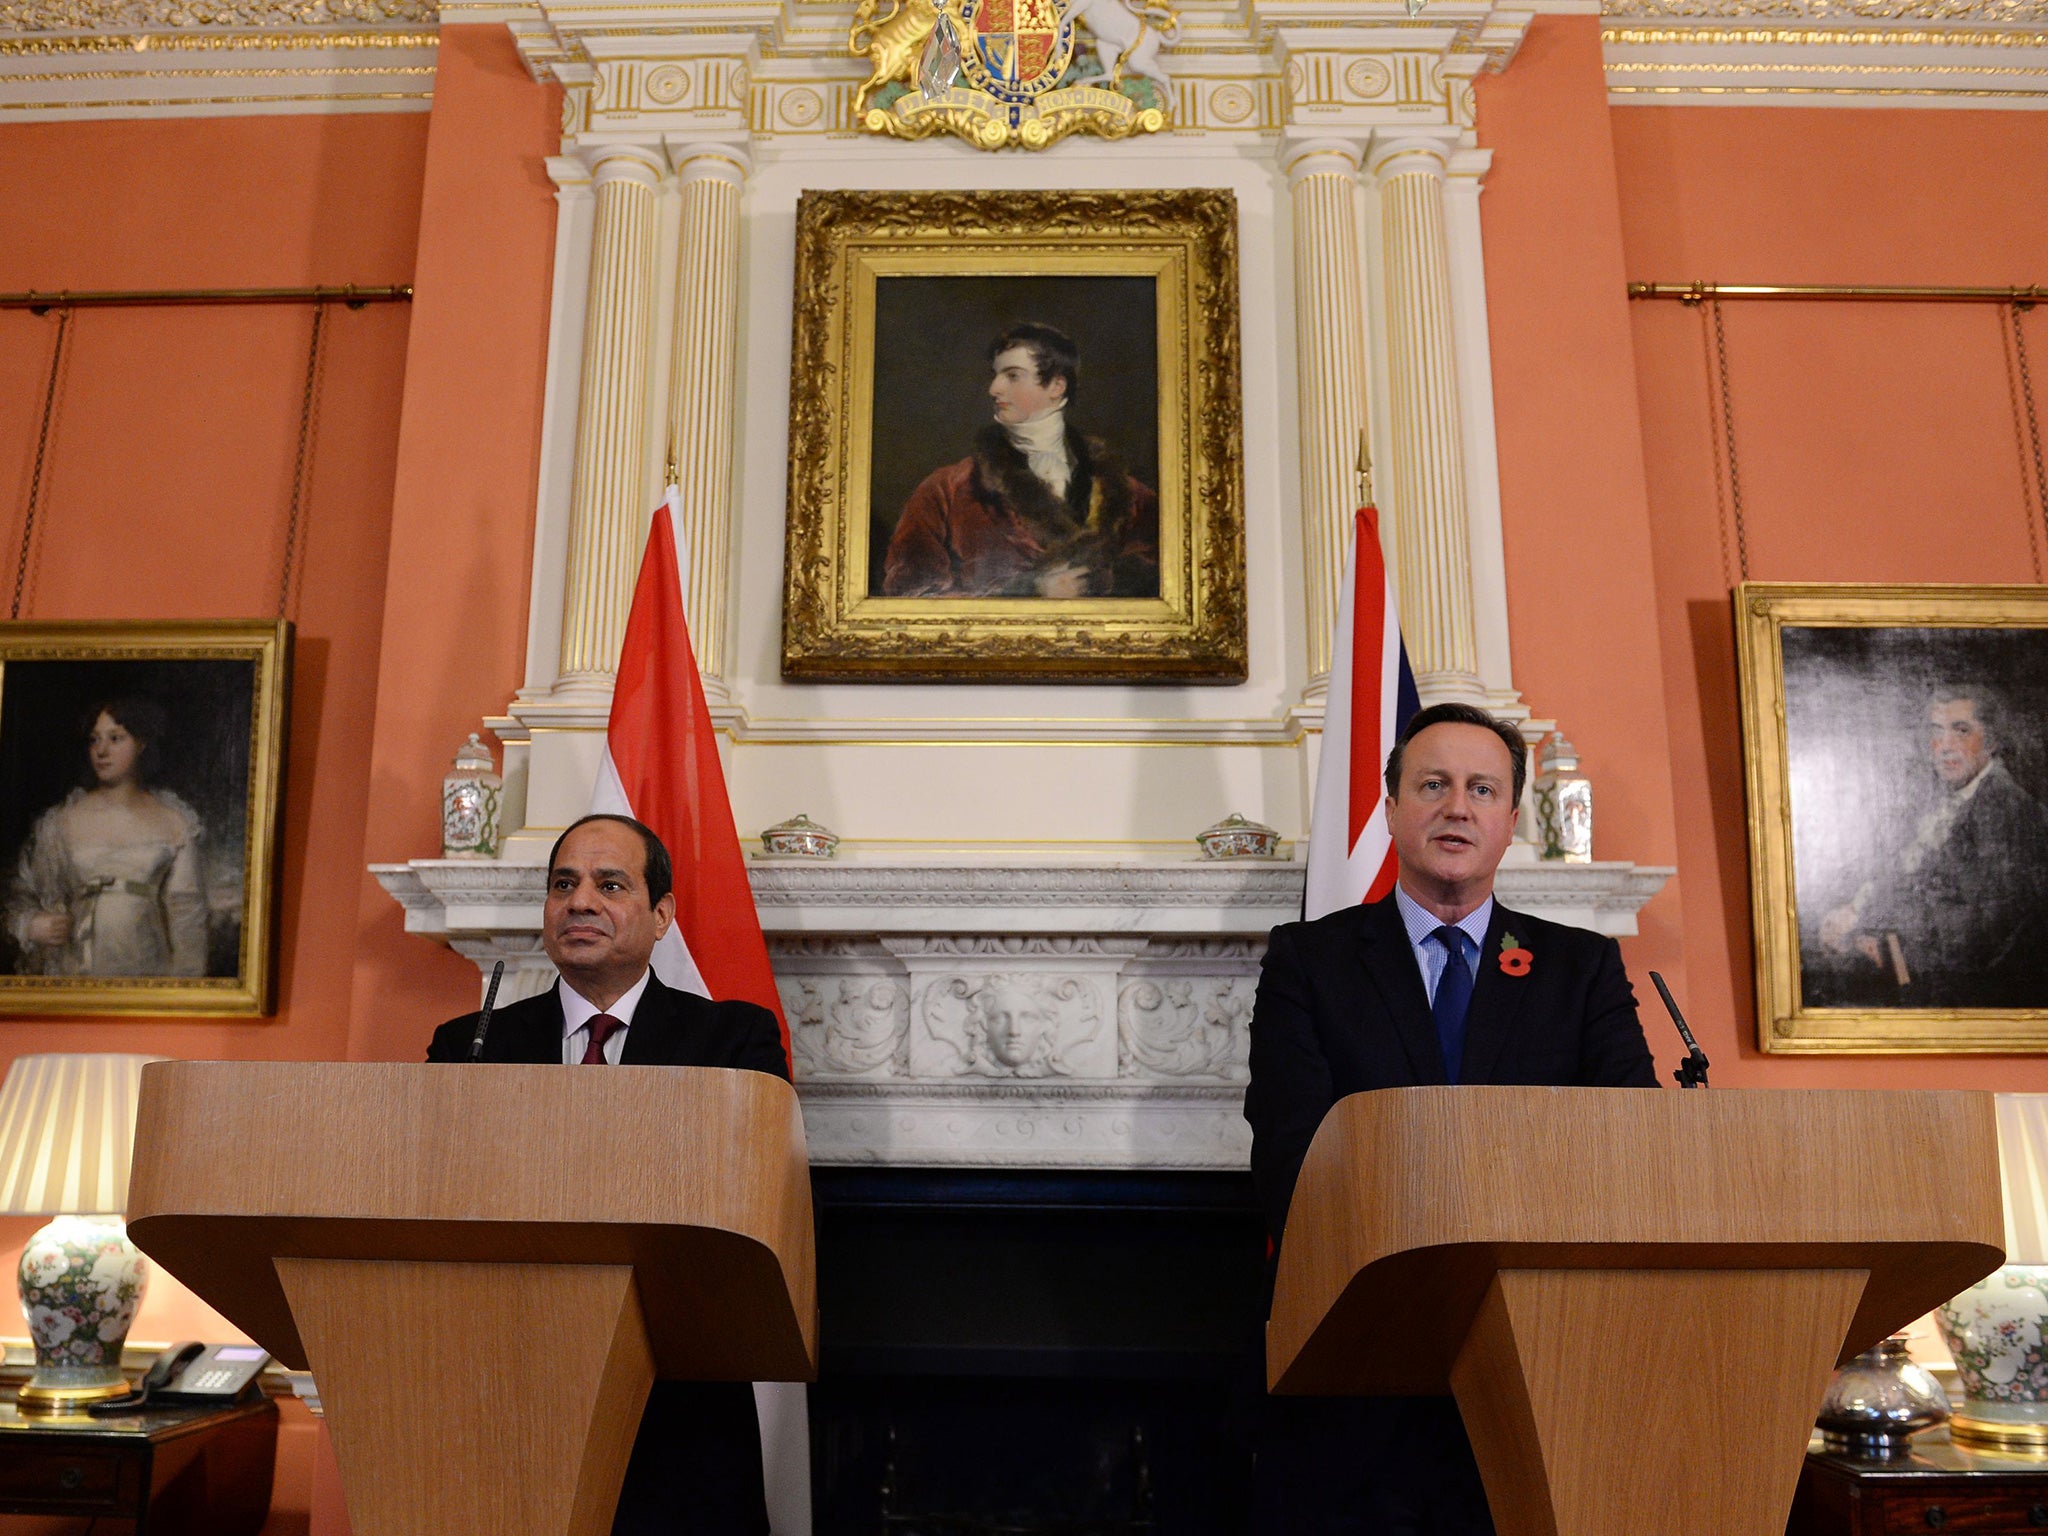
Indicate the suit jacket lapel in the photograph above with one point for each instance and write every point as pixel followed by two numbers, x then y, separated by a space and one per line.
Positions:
pixel 1390 971
pixel 1496 998
pixel 650 1041
pixel 528 1034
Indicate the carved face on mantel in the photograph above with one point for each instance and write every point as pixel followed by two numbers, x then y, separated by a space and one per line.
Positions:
pixel 1016 1028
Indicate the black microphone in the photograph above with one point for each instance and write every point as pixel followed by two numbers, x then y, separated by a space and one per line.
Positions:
pixel 483 1020
pixel 1691 1072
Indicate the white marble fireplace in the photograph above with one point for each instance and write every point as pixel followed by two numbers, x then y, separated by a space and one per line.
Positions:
pixel 1026 1015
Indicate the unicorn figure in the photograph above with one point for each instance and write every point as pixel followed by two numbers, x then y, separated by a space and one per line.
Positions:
pixel 1128 34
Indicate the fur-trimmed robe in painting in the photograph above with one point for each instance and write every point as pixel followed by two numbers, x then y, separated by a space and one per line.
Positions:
pixel 988 527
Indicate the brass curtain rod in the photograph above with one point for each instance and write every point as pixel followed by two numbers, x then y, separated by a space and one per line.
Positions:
pixel 112 298
pixel 1697 293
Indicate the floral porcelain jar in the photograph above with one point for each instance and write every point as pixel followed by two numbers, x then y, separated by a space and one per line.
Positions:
pixel 1995 1330
pixel 82 1283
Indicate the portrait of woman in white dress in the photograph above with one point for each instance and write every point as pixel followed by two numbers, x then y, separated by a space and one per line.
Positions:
pixel 111 880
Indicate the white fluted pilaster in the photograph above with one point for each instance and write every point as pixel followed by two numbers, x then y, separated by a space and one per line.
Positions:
pixel 608 502
pixel 701 401
pixel 1433 549
pixel 1330 353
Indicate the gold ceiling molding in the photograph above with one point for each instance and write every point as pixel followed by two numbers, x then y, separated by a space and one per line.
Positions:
pixel 1999 71
pixel 117 15
pixel 318 71
pixel 2014 13
pixel 1798 37
pixel 185 103
pixel 185 42
pixel 1851 91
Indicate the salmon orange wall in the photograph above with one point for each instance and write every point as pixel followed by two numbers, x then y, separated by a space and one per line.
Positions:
pixel 454 604
pixel 1875 442
pixel 166 487
pixel 1574 505
pixel 169 471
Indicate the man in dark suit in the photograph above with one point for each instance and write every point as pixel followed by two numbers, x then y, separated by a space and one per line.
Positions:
pixel 696 1463
pixel 1437 983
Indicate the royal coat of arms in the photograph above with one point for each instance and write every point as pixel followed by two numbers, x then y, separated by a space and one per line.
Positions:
pixel 1011 73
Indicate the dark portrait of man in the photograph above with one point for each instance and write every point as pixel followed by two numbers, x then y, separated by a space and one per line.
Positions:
pixel 696 1462
pixel 1436 984
pixel 1950 919
pixel 1039 509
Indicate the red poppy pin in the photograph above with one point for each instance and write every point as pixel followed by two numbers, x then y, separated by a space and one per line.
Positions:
pixel 1514 960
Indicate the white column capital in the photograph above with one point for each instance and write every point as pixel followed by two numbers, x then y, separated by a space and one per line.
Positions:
pixel 1410 154
pixel 710 159
pixel 1323 156
pixel 568 173
pixel 642 163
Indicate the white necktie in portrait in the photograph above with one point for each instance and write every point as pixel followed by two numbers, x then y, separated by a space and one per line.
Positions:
pixel 1042 439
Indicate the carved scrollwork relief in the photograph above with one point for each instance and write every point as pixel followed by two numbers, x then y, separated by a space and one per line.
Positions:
pixel 848 1026
pixel 1185 1027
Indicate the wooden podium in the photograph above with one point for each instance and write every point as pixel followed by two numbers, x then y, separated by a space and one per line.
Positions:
pixel 485 1268
pixel 1636 1297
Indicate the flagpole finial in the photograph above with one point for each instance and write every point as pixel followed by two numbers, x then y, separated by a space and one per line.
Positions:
pixel 1364 469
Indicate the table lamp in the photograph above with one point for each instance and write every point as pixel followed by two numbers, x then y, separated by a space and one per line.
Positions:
pixel 67 1127
pixel 1998 1329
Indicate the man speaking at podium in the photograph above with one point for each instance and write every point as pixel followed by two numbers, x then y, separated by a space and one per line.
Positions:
pixel 1437 983
pixel 696 1464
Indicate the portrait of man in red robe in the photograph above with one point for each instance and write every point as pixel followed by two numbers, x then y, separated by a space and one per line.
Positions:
pixel 1039 508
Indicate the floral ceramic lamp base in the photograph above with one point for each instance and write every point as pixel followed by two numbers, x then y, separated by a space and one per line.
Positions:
pixel 1998 1332
pixel 81 1284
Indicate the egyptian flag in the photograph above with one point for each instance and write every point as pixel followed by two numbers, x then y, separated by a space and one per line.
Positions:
pixel 661 767
pixel 1371 699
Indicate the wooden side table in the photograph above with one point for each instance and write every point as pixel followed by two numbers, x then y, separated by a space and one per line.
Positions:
pixel 172 1471
pixel 1937 1486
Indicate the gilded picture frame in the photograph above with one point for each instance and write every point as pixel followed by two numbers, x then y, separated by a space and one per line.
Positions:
pixel 1895 751
pixel 141 798
pixel 900 297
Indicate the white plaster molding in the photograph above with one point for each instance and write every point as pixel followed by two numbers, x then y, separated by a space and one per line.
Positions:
pixel 1063 1125
pixel 1183 898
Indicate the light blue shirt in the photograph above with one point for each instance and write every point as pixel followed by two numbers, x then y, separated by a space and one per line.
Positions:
pixel 1429 954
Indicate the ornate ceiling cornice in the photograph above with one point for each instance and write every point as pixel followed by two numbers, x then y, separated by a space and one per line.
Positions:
pixel 147 58
pixel 142 57
pixel 1828 52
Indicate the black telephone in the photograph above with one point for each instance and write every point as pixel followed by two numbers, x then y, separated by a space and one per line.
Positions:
pixel 191 1374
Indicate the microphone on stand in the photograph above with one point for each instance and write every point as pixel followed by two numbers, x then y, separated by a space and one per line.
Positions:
pixel 1691 1072
pixel 483 1020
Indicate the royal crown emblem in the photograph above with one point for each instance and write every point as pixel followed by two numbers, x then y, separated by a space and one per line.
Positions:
pixel 1011 73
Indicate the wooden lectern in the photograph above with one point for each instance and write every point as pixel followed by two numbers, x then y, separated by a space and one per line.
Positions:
pixel 1636 1297
pixel 485 1268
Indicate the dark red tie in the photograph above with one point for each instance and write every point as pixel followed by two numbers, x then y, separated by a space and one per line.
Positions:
pixel 601 1027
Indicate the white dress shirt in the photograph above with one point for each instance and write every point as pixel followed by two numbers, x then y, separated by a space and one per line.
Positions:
pixel 1430 955
pixel 578 1011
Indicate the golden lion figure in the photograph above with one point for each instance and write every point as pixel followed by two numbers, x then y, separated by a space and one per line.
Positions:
pixel 895 44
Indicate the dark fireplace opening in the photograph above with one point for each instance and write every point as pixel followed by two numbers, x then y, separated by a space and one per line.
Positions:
pixel 1015 1353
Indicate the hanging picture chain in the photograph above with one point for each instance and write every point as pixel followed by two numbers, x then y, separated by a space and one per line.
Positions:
pixel 1728 440
pixel 35 481
pixel 302 463
pixel 2030 418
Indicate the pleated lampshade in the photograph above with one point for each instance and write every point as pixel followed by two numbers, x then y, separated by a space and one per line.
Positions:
pixel 67 1130
pixel 2023 1164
